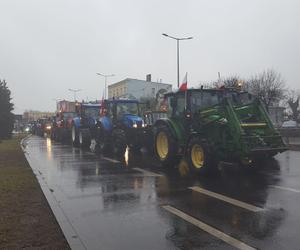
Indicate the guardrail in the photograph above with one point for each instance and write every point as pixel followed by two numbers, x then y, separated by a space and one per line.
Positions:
pixel 291 137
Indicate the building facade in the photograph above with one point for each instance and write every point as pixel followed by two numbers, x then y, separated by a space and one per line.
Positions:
pixel 137 89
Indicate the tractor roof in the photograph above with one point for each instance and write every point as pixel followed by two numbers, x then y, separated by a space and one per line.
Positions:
pixel 91 105
pixel 122 101
pixel 212 90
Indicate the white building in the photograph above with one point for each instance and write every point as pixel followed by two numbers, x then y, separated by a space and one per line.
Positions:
pixel 135 89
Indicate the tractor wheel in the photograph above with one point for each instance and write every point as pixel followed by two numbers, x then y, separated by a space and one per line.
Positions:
pixel 199 157
pixel 103 143
pixel 53 134
pixel 63 135
pixel 75 139
pixel 119 142
pixel 84 138
pixel 165 146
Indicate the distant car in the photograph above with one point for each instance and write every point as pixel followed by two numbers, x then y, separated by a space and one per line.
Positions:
pixel 289 124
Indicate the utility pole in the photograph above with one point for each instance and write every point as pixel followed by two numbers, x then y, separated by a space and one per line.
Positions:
pixel 177 40
pixel 75 92
pixel 105 86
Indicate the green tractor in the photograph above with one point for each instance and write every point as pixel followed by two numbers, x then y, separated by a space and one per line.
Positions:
pixel 206 126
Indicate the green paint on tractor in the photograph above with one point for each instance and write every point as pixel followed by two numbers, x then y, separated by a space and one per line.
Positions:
pixel 210 125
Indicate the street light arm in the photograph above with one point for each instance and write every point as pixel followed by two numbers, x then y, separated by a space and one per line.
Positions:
pixel 177 38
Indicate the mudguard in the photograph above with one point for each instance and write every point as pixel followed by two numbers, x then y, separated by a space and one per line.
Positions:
pixel 106 123
pixel 176 128
pixel 76 122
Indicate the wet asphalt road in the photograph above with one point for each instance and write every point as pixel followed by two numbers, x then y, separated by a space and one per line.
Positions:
pixel 132 203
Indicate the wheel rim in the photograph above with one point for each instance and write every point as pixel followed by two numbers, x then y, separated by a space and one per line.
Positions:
pixel 73 134
pixel 197 156
pixel 162 145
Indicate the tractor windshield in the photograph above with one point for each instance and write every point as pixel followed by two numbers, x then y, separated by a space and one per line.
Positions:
pixel 126 108
pixel 92 112
pixel 203 99
pixel 239 98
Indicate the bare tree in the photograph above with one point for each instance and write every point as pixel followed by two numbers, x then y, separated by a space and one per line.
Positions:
pixel 268 86
pixel 227 82
pixel 293 97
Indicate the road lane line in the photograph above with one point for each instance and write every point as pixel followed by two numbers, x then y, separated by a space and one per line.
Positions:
pixel 148 173
pixel 228 199
pixel 286 188
pixel 209 229
pixel 111 160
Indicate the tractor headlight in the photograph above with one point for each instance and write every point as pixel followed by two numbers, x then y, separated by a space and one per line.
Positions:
pixel 48 127
pixel 134 125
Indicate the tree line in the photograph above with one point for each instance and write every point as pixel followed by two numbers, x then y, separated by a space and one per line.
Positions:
pixel 6 108
pixel 269 86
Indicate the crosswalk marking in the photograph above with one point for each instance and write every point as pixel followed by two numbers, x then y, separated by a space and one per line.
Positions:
pixel 209 229
pixel 227 199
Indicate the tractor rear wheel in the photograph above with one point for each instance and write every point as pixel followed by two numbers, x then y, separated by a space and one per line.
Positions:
pixel 75 139
pixel 199 156
pixel 84 138
pixel 118 142
pixel 165 146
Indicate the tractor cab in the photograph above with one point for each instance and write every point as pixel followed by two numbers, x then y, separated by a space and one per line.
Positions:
pixel 123 112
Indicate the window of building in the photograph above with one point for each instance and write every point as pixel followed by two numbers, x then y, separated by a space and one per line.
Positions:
pixel 153 91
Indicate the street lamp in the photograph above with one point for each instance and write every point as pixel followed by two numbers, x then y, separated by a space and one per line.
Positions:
pixel 74 92
pixel 177 39
pixel 105 76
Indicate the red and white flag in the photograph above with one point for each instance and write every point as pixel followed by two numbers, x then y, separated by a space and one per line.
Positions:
pixel 183 86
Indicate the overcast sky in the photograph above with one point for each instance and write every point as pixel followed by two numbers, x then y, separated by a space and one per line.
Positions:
pixel 49 46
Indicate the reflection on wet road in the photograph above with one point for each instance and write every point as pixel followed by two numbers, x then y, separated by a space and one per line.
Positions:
pixel 132 203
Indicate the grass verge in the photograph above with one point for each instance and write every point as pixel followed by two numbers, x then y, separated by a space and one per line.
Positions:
pixel 26 220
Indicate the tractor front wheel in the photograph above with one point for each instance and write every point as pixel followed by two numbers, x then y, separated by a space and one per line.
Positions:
pixel 84 138
pixel 165 146
pixel 119 142
pixel 199 156
pixel 75 139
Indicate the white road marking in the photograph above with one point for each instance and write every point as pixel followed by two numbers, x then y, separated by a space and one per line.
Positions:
pixel 209 229
pixel 286 188
pixel 148 173
pixel 228 199
pixel 111 160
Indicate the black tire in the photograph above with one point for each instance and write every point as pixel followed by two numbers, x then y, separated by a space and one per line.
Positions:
pixel 84 138
pixel 199 156
pixel 53 134
pixel 102 139
pixel 165 146
pixel 74 137
pixel 63 135
pixel 118 142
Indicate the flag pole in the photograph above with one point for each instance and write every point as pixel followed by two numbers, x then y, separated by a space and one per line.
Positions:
pixel 185 94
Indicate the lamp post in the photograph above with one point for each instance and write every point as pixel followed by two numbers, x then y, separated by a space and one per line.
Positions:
pixel 74 92
pixel 177 40
pixel 105 86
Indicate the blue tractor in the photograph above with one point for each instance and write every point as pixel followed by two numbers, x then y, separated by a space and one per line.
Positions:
pixel 84 122
pixel 119 126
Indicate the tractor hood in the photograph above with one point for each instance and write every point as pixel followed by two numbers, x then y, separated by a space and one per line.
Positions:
pixel 129 120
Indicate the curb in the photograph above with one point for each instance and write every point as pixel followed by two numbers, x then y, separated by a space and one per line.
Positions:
pixel 65 225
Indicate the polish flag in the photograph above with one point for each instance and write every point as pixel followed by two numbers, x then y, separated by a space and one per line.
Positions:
pixel 183 86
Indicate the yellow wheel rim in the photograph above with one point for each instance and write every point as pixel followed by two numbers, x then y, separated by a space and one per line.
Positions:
pixel 162 145
pixel 197 155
